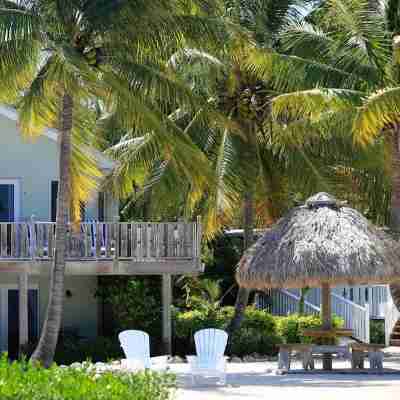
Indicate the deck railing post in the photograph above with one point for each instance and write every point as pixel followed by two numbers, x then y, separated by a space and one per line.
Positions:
pixel 198 237
pixel 23 309
pixel 367 323
pixel 166 313
pixel 117 242
pixel 387 331
pixel 32 238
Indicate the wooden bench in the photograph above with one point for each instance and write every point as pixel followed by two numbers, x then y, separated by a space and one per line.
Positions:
pixel 359 351
pixel 307 351
pixel 285 351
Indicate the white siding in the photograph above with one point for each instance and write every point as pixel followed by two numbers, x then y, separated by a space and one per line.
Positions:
pixel 35 164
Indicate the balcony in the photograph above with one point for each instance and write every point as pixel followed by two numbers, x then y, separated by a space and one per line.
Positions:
pixel 102 248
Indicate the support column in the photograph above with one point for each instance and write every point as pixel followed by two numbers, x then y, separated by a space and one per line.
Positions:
pixel 326 316
pixel 23 308
pixel 166 313
pixel 326 307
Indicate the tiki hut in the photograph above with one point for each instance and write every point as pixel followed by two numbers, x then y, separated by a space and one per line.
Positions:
pixel 320 244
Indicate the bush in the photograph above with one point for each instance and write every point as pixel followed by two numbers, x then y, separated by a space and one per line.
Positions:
pixel 290 329
pixel 260 332
pixel 22 381
pixel 71 349
pixel 257 333
pixel 135 302
pixel 377 331
pixel 103 349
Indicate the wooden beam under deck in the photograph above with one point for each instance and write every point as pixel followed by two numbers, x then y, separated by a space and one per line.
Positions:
pixel 105 267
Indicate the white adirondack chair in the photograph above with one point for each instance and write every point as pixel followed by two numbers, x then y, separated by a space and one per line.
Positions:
pixel 136 346
pixel 210 360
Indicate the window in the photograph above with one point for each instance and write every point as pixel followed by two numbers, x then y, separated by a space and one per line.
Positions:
pixel 6 202
pixel 101 206
pixel 351 294
pixel 82 211
pixel 53 201
pixel 366 295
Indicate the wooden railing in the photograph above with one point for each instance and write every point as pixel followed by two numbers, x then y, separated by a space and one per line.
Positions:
pixel 377 300
pixel 283 302
pixel 103 240
pixel 392 315
pixel 355 317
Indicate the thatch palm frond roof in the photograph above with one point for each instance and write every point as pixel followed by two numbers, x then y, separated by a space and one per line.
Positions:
pixel 323 241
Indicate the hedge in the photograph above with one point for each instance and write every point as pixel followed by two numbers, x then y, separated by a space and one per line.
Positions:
pixel 22 381
pixel 260 331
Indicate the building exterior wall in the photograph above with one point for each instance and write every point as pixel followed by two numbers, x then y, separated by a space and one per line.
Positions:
pixel 80 309
pixel 34 163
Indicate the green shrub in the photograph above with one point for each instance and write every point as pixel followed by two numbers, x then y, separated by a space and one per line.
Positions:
pixel 71 349
pixel 377 331
pixel 257 333
pixel 290 329
pixel 22 381
pixel 135 302
pixel 260 332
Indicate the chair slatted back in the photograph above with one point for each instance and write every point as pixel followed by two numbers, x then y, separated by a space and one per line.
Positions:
pixel 210 345
pixel 136 346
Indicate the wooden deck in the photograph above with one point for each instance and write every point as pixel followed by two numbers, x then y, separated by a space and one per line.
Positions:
pixel 103 248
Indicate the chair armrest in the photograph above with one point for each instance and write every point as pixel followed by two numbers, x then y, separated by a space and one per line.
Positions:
pixel 192 360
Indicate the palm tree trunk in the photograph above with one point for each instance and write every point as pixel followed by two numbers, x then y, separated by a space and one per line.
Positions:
pixel 303 294
pixel 44 353
pixel 147 196
pixel 395 201
pixel 242 297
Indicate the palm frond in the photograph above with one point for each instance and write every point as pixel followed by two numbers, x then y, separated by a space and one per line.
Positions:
pixel 379 111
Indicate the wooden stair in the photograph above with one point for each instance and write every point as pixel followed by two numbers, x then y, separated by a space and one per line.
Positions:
pixel 395 336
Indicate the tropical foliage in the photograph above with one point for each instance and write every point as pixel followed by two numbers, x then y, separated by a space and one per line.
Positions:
pixel 22 380
pixel 60 58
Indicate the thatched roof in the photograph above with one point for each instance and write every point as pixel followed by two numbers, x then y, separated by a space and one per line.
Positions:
pixel 321 241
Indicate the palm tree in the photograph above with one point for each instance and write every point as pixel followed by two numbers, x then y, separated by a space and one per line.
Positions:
pixel 358 41
pixel 251 164
pixel 59 57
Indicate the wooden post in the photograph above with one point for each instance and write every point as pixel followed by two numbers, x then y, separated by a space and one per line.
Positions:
pixel 23 309
pixel 116 244
pixel 166 313
pixel 32 243
pixel 326 315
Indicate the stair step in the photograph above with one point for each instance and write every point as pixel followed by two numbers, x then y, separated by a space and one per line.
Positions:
pixel 395 336
pixel 395 342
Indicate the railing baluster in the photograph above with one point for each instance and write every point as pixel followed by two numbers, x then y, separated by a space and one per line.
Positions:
pixel 134 240
pixel 138 241
pixel 3 246
pixel 13 244
pixel 148 239
pixel 108 239
pixel 98 229
pixel 124 239
pixel 157 240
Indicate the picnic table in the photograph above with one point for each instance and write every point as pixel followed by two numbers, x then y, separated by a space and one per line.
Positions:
pixel 356 352
pixel 307 353
pixel 328 335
